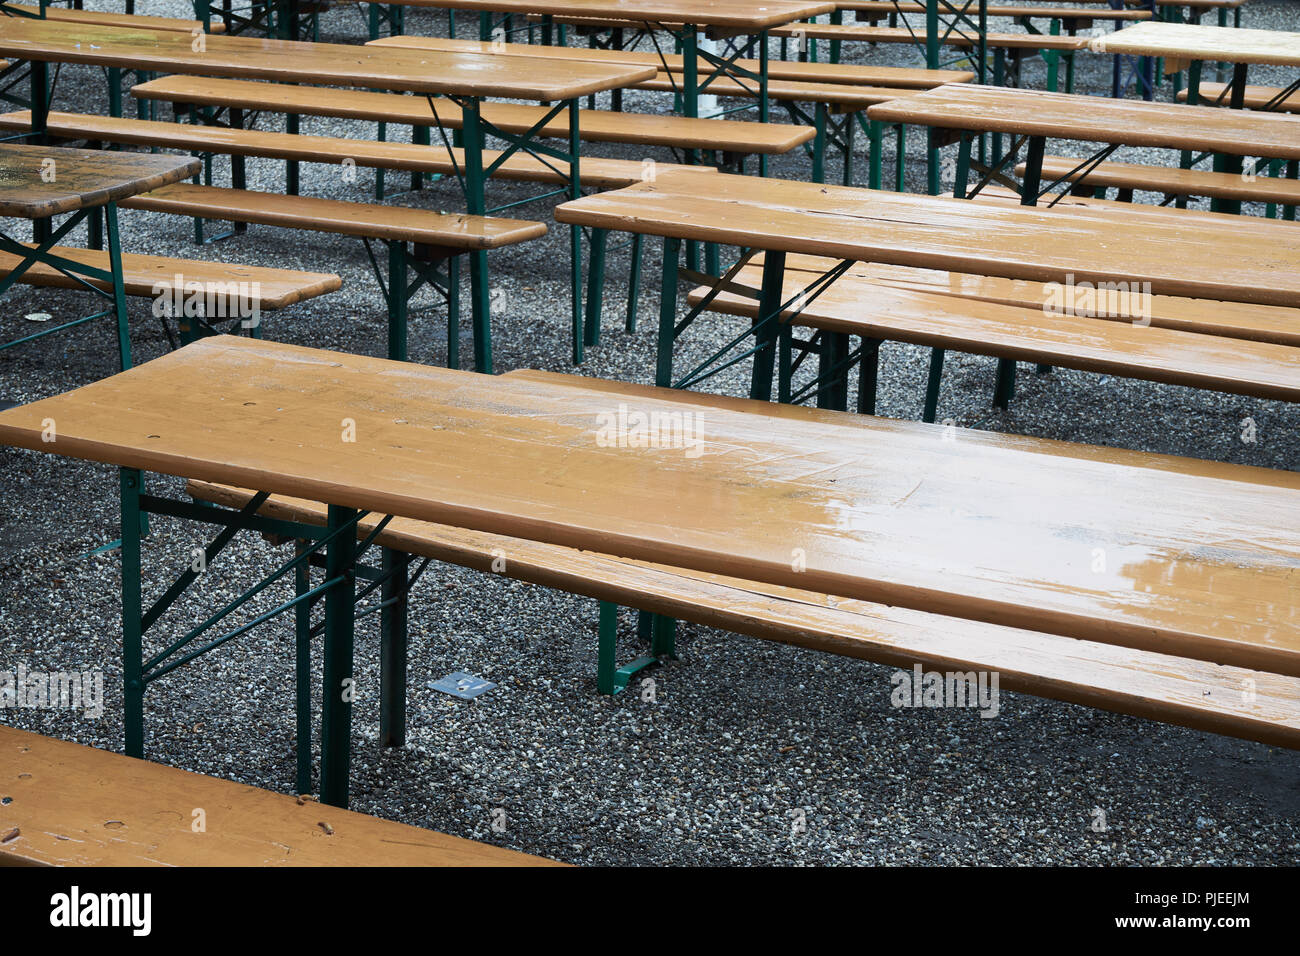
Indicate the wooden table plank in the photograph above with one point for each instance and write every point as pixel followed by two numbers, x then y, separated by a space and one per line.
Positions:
pixel 80 806
pixel 1162 554
pixel 408 70
pixel 1096 119
pixel 849 74
pixel 1196 259
pixel 79 178
pixel 1194 41
pixel 732 14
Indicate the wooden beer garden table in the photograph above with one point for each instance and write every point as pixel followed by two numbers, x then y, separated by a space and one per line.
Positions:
pixel 1200 258
pixel 1191 45
pixel 465 78
pixel 1202 559
pixel 684 19
pixel 38 182
pixel 1031 117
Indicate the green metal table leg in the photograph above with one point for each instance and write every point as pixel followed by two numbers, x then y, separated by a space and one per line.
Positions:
pixel 667 312
pixel 475 197
pixel 338 688
pixel 575 232
pixel 131 483
pixel 397 306
pixel 453 312
pixel 933 381
pixel 393 650
pixel 302 671
pixel 119 289
pixel 595 285
pixel 875 137
pixel 769 305
pixel 634 282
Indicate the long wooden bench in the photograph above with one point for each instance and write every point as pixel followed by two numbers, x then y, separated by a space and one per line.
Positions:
pixel 70 805
pixel 103 18
pixel 1256 97
pixel 881 305
pixel 602 126
pixel 237 293
pixel 849 32
pixel 1172 181
pixel 1081 16
pixel 279 288
pixel 596 173
pixel 1144 683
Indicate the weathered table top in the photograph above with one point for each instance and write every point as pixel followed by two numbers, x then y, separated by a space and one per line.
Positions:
pixel 408 70
pixel 1186 557
pixel 1097 119
pixel 732 14
pixel 39 181
pixel 1200 259
pixel 1194 41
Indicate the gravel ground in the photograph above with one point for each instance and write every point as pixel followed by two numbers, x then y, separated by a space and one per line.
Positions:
pixel 744 736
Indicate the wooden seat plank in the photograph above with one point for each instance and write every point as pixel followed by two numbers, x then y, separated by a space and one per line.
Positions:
pixel 79 178
pixel 1173 181
pixel 70 805
pixel 1098 120
pixel 1064 12
pixel 873 510
pixel 105 18
pixel 736 14
pixel 289 61
pixel 141 275
pixel 853 32
pixel 849 74
pixel 1045 245
pixel 1174 690
pixel 1238 320
pixel 1256 97
pixel 595 125
pixel 595 172
pixel 1113 345
pixel 398 223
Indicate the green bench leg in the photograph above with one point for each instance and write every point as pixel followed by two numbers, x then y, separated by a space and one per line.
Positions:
pixel 610 678
pixel 595 285
pixel 833 354
pixel 338 689
pixel 819 144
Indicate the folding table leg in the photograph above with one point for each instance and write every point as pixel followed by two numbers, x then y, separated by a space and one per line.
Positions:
pixel 634 282
pixel 667 312
pixel 119 289
pixel 302 671
pixel 595 286
pixel 769 320
pixel 393 650
pixel 338 688
pixel 131 484
pixel 932 385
